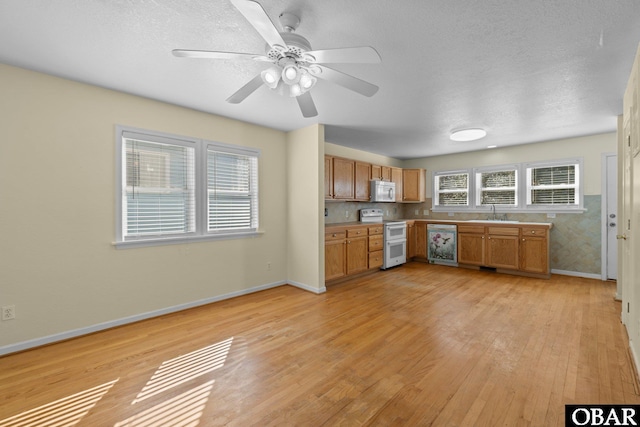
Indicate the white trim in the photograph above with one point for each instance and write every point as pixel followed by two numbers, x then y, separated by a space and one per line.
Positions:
pixel 179 240
pixel 634 358
pixel 307 287
pixel 25 345
pixel 577 274
pixel 604 221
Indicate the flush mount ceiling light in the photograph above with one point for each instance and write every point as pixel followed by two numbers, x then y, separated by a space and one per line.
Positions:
pixel 468 134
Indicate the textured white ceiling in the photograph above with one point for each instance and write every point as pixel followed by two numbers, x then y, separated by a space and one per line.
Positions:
pixel 524 70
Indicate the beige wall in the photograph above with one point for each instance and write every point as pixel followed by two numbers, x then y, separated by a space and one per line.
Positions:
pixel 57 211
pixel 305 165
pixel 588 147
pixel 364 156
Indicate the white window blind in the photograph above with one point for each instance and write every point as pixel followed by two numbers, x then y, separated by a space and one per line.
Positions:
pixel 452 189
pixel 173 189
pixel 232 191
pixel 497 188
pixel 553 185
pixel 159 196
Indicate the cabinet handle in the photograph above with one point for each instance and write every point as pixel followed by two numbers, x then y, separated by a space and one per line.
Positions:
pixel 349 241
pixel 524 240
pixel 533 231
pixel 334 235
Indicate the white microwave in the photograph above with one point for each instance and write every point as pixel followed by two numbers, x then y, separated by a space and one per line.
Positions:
pixel 383 191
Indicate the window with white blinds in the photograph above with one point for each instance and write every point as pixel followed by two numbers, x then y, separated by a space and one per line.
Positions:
pixel 498 187
pixel 550 186
pixel 174 188
pixel 553 185
pixel 159 196
pixel 451 189
pixel 232 191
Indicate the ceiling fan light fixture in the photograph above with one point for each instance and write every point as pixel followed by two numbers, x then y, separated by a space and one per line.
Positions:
pixel 271 77
pixel 307 81
pixel 295 90
pixel 291 74
pixel 464 135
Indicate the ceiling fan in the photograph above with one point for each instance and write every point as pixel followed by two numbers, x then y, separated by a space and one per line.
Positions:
pixel 295 66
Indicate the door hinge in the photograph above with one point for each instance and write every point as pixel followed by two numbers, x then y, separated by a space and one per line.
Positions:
pixel 628 140
pixel 627 307
pixel 628 224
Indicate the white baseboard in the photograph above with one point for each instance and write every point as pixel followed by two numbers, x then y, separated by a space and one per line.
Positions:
pixel 577 274
pixel 321 290
pixel 25 345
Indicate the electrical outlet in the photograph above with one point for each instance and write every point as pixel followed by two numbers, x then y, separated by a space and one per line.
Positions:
pixel 8 312
pixel 417 212
pixel 425 212
pixel 346 214
pixel 268 266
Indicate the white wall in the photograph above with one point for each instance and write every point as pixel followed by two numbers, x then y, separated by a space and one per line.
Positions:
pixel 57 211
pixel 588 147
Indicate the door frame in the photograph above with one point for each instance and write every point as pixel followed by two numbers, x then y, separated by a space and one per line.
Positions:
pixel 604 223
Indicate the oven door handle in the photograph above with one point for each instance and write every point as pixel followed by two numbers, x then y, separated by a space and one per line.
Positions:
pixel 396 227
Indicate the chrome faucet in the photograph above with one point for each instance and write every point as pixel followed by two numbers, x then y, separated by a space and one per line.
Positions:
pixel 493 210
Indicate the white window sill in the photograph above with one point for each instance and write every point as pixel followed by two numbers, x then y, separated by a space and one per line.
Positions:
pixel 181 240
pixel 502 211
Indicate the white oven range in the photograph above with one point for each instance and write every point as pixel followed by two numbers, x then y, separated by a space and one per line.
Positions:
pixel 394 237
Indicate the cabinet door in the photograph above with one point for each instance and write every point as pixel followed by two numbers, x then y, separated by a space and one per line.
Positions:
pixel 362 186
pixel 376 172
pixel 421 240
pixel 385 173
pixel 413 185
pixel 411 240
pixel 328 177
pixel 534 255
pixel 471 248
pixel 357 254
pixel 396 177
pixel 335 259
pixel 343 178
pixel 502 251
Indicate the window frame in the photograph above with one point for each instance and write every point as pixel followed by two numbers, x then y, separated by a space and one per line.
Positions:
pixel 201 147
pixel 579 185
pixel 436 190
pixel 521 188
pixel 478 187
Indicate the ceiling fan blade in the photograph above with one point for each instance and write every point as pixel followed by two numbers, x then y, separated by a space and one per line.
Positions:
pixel 347 55
pixel 212 54
pixel 245 90
pixel 257 17
pixel 347 81
pixel 307 105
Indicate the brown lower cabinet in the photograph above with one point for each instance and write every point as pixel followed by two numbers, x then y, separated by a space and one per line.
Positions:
pixel 352 250
pixel 518 248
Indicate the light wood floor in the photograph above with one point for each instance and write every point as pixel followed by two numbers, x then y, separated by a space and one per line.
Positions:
pixel 416 345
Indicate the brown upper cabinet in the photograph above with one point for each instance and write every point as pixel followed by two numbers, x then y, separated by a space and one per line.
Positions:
pixel 362 186
pixel 382 173
pixel 349 180
pixel 413 185
pixel 343 179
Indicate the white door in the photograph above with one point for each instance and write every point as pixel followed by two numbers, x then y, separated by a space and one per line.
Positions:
pixel 612 215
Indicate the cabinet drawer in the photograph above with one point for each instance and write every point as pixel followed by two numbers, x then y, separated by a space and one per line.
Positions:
pixel 530 231
pixel 338 235
pixel 375 243
pixel 356 232
pixel 504 231
pixel 375 230
pixel 478 229
pixel 375 259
